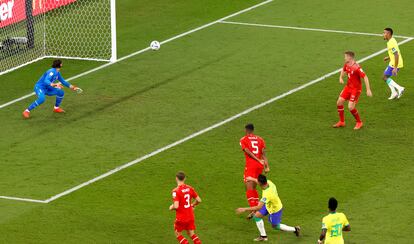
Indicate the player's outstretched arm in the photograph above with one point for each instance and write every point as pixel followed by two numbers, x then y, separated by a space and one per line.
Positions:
pixel 255 208
pixel 346 228
pixel 68 85
pixel 367 86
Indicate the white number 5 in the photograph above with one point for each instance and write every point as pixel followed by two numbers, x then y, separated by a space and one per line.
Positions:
pixel 255 147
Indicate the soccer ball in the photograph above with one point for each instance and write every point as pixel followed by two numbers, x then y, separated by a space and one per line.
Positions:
pixel 155 45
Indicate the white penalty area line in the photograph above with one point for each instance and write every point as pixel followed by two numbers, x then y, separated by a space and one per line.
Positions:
pixel 309 29
pixel 22 199
pixel 201 132
pixel 145 49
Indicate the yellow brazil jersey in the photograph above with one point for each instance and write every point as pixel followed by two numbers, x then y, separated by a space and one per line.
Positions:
pixel 333 223
pixel 271 199
pixel 392 47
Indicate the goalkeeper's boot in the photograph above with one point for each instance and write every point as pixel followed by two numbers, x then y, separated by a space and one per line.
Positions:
pixel 26 114
pixel 58 110
pixel 339 124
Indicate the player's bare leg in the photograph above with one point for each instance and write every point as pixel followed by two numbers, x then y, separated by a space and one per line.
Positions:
pixel 340 106
pixel 194 237
pixel 354 112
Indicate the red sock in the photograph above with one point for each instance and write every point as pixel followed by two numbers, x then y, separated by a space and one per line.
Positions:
pixel 252 197
pixel 182 240
pixel 355 113
pixel 196 240
pixel 341 113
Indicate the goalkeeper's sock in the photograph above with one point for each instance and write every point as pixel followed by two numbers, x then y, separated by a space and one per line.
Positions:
pixel 33 105
pixel 58 101
pixel 260 226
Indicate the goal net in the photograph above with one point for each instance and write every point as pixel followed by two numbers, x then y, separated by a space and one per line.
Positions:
pixel 31 30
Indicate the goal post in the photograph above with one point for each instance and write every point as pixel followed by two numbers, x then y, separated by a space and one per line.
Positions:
pixel 31 30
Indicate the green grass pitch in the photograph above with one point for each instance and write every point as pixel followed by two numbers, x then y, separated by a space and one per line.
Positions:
pixel 139 105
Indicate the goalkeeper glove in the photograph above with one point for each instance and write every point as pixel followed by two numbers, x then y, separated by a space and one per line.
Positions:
pixel 76 89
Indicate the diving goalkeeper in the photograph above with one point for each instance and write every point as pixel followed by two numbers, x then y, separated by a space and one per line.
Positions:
pixel 50 84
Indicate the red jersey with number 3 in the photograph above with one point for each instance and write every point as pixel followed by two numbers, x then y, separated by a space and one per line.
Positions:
pixel 184 194
pixel 355 74
pixel 255 144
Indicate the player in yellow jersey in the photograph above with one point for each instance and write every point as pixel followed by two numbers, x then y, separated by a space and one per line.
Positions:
pixel 395 64
pixel 270 205
pixel 333 225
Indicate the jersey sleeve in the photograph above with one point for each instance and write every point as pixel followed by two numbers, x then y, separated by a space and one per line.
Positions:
pixel 344 68
pixel 393 47
pixel 193 193
pixel 48 79
pixel 345 220
pixel 63 81
pixel 243 143
pixel 361 72
pixel 324 224
pixel 263 144
pixel 175 196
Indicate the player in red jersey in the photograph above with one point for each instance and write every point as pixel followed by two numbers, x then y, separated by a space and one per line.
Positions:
pixel 352 90
pixel 184 201
pixel 253 147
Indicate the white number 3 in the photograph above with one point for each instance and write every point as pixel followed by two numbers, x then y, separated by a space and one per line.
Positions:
pixel 187 201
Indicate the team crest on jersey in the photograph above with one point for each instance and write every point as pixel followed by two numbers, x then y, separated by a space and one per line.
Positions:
pixel 51 74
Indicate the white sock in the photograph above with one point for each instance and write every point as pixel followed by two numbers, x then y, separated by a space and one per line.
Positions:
pixel 260 226
pixel 287 228
pixel 393 84
pixel 27 110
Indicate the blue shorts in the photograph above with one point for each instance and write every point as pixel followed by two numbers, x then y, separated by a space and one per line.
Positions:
pixel 388 71
pixel 274 218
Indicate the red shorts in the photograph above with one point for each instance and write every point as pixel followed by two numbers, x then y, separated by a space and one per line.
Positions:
pixel 253 170
pixel 180 225
pixel 350 94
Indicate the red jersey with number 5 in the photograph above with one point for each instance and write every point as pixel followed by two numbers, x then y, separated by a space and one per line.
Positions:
pixel 255 144
pixel 184 195
pixel 355 74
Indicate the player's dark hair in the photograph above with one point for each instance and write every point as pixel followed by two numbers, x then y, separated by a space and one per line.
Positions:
pixel 57 63
pixel 249 127
pixel 389 30
pixel 180 176
pixel 332 204
pixel 350 53
pixel 262 180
